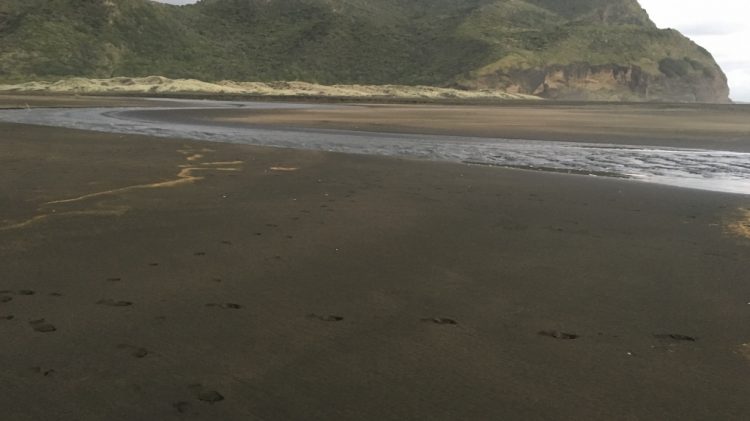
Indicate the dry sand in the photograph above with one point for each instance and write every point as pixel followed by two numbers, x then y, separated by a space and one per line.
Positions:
pixel 284 285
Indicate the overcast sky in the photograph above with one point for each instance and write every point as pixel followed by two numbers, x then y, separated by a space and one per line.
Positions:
pixel 719 25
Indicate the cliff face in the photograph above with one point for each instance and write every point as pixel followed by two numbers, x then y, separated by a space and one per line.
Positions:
pixel 608 82
pixel 602 50
pixel 566 49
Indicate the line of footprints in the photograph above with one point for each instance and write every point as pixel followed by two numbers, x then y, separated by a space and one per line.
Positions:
pixel 41 325
pixel 211 396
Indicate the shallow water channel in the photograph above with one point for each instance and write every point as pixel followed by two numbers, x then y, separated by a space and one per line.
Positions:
pixel 693 168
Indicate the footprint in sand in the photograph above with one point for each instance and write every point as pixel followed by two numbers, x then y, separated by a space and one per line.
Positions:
pixel 555 334
pixel 114 303
pixel 440 321
pixel 206 395
pixel 675 337
pixel 55 294
pixel 225 306
pixel 328 318
pixel 8 317
pixel 134 351
pixel 42 326
pixel 42 371
pixel 226 243
pixel 6 298
pixel 210 396
pixel 114 279
pixel 199 253
pixel 153 264
pixel 181 406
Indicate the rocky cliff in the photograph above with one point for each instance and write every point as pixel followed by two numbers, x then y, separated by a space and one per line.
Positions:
pixel 607 82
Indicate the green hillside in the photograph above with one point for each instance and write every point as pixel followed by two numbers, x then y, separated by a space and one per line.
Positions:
pixel 588 49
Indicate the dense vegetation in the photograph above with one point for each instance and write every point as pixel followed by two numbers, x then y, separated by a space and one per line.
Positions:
pixel 465 43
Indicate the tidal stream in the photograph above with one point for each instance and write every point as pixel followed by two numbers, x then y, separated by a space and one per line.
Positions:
pixel 693 168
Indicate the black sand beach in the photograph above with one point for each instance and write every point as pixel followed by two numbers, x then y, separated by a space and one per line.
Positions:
pixel 160 279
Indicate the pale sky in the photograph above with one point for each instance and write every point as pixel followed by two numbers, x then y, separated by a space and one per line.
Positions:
pixel 719 26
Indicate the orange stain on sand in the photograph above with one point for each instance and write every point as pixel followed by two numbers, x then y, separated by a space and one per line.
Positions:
pixel 186 175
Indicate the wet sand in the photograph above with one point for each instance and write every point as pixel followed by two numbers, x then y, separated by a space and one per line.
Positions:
pixel 686 126
pixel 11 101
pixel 160 279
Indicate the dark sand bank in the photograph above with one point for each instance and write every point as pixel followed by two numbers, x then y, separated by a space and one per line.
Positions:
pixel 8 101
pixel 170 291
pixel 685 126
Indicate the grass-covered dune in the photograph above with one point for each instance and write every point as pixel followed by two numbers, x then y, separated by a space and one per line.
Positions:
pixel 161 85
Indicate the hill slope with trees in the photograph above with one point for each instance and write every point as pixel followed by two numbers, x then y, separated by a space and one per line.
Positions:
pixel 567 49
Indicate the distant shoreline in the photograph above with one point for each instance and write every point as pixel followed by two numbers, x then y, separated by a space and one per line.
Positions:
pixel 109 99
pixel 164 88
pixel 159 86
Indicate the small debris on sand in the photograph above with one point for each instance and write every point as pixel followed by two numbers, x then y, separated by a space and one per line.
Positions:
pixel 440 321
pixel 559 335
pixel 675 337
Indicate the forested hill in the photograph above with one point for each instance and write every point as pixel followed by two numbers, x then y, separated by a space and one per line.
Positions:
pixel 571 49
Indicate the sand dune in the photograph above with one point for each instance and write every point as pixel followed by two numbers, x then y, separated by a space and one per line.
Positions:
pixel 160 85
